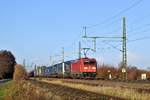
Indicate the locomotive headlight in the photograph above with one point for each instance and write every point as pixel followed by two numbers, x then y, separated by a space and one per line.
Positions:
pixel 85 67
pixel 93 67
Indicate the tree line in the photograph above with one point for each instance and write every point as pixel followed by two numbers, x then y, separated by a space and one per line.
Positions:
pixel 133 73
pixel 7 63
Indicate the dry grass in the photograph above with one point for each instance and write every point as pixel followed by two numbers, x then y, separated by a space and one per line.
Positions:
pixel 19 73
pixel 113 91
pixel 4 89
pixel 33 90
pixel 23 91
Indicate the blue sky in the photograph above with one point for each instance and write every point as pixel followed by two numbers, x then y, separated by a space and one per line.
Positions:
pixel 37 29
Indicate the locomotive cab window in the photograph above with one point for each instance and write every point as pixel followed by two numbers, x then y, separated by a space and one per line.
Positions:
pixel 89 62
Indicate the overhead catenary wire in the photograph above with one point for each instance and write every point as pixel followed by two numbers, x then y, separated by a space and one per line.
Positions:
pixel 128 41
pixel 116 15
pixel 110 32
pixel 130 7
pixel 115 47
pixel 137 33
pixel 107 25
pixel 140 27
pixel 118 29
pixel 140 19
pixel 106 43
pixel 114 41
pixel 138 39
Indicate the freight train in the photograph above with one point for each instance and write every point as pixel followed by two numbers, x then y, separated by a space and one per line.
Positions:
pixel 80 68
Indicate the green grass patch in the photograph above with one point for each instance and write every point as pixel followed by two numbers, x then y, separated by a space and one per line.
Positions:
pixel 4 89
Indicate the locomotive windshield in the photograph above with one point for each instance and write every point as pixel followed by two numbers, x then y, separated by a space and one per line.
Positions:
pixel 89 62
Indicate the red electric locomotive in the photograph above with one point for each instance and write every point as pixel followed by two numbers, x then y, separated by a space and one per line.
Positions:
pixel 80 68
pixel 84 68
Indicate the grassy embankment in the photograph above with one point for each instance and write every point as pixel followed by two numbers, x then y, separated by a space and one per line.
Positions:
pixel 107 90
pixel 19 91
pixel 34 90
pixel 20 88
pixel 23 91
pixel 5 89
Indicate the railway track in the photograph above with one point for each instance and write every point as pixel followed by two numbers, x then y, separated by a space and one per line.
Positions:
pixel 139 87
pixel 68 93
pixel 134 86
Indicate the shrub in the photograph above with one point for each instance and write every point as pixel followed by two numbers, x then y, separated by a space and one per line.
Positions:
pixel 20 73
pixel 103 71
